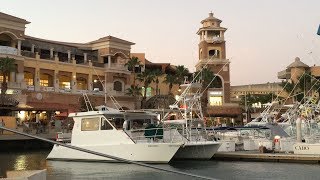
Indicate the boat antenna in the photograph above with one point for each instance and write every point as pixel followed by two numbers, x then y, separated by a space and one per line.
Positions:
pixel 106 155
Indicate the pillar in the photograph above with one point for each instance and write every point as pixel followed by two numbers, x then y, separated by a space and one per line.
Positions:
pixel 85 57
pixel 109 61
pixel 37 79
pixel 56 81
pixel 19 47
pixel 12 77
pixel 69 55
pixel 32 48
pixel 51 53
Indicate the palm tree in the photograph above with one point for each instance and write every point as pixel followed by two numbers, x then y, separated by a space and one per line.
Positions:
pixel 147 77
pixel 132 64
pixel 157 73
pixel 181 72
pixel 170 79
pixel 7 65
pixel 134 91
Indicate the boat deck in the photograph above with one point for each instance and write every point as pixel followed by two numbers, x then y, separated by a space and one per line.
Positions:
pixel 268 157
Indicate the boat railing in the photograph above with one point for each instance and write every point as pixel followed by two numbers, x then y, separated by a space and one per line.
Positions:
pixel 157 134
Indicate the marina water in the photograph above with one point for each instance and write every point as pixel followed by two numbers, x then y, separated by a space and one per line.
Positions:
pixel 60 170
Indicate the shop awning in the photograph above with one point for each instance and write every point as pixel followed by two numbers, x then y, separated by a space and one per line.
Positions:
pixel 52 107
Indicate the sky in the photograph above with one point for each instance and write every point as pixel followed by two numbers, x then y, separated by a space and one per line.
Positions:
pixel 263 37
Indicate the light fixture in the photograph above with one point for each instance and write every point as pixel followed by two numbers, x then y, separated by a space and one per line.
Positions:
pixel 34 112
pixel 57 112
pixel 95 80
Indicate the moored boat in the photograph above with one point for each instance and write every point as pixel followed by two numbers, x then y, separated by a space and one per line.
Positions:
pixel 102 131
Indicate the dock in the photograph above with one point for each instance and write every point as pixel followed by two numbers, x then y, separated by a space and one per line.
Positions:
pixel 266 157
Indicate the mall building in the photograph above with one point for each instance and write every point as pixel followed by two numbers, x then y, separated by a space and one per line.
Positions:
pixel 52 75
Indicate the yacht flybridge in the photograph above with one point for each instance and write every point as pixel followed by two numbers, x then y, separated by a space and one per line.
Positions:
pixel 119 134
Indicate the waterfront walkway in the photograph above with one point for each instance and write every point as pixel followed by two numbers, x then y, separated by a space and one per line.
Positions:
pixel 48 133
pixel 269 157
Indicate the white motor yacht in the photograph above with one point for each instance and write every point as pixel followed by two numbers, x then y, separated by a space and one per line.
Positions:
pixel 102 131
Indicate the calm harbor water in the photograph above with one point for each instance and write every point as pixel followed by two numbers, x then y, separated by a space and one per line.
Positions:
pixel 58 170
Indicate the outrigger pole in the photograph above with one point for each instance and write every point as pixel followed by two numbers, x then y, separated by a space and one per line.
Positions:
pixel 106 155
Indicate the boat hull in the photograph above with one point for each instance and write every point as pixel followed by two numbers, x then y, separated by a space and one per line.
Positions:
pixel 149 153
pixel 197 150
pixel 305 148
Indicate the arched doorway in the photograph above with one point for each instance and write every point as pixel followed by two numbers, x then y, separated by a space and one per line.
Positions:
pixel 216 92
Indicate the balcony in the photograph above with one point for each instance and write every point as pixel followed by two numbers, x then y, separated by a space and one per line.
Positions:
pixel 28 54
pixel 284 74
pixel 117 66
pixel 8 50
pixel 214 39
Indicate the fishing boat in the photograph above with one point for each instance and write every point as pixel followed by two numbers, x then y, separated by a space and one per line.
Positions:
pixel 106 131
pixel 187 118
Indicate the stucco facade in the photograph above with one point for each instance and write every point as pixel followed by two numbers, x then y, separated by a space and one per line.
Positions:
pixel 53 72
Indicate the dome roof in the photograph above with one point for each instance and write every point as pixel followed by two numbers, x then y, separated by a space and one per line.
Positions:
pixel 297 63
pixel 210 18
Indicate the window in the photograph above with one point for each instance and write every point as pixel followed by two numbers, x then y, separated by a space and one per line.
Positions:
pixel 44 82
pixel 117 86
pixel 1 78
pixel 105 125
pixel 90 124
pixel 28 78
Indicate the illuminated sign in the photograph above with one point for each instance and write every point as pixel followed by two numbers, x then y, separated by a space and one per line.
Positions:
pixel 216 93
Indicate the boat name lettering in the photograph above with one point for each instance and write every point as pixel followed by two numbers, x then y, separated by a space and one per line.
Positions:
pixel 302 148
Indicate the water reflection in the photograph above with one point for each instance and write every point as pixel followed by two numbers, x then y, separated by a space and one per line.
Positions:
pixel 20 163
pixel 59 170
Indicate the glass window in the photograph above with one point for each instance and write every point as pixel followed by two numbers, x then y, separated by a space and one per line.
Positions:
pixel 44 82
pixel 1 78
pixel 105 125
pixel 90 124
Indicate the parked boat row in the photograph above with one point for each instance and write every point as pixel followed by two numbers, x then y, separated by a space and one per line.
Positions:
pixel 140 135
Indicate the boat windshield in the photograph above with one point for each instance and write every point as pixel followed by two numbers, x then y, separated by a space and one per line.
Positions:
pixel 116 120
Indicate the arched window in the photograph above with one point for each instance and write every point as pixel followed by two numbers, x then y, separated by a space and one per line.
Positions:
pixel 214 53
pixel 216 83
pixel 117 86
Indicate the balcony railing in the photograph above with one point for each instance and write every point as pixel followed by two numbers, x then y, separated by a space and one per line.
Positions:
pixel 28 54
pixel 8 50
pixel 214 39
pixel 116 66
pixel 45 88
pixel 96 64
